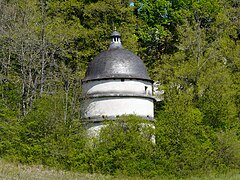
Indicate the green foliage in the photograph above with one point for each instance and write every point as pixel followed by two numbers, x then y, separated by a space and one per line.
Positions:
pixel 9 139
pixel 184 144
pixel 10 97
pixel 125 146
pixel 84 27
pixel 9 124
pixel 43 137
pixel 228 148
pixel 216 99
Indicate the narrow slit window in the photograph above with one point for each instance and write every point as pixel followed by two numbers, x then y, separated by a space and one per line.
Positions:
pixel 146 90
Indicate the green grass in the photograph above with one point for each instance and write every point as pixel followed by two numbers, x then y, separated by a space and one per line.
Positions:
pixel 24 172
pixel 36 172
pixel 233 175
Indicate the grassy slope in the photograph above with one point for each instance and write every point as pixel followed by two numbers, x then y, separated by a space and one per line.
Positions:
pixel 24 172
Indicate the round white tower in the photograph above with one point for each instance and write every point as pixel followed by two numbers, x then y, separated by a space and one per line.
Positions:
pixel 116 83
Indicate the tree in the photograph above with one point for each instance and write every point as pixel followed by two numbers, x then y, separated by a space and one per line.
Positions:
pixel 200 104
pixel 184 144
pixel 88 26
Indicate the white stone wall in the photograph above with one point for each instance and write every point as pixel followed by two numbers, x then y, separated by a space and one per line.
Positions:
pixel 116 106
pixel 118 86
pixel 124 98
pixel 93 131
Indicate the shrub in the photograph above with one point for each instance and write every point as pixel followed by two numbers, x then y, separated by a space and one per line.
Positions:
pixel 124 146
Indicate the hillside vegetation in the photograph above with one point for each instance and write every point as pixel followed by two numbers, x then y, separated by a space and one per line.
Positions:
pixel 190 47
pixel 18 171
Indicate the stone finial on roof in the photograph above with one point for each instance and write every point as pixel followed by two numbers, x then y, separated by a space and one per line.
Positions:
pixel 116 40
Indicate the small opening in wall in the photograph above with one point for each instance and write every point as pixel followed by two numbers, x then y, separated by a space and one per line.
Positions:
pixel 122 80
pixel 89 118
pixel 103 116
pixel 146 90
pixel 147 116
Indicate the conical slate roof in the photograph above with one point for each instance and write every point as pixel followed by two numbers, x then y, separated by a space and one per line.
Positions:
pixel 116 62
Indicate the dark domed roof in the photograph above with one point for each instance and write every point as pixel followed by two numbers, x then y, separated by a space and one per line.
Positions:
pixel 116 62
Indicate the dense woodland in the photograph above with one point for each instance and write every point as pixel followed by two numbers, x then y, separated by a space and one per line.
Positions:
pixel 191 46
